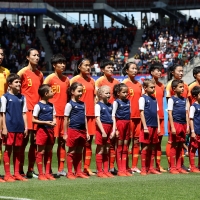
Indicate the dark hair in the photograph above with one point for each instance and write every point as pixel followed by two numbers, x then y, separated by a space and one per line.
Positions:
pixel 155 66
pixel 57 58
pixel 126 67
pixel 72 88
pixel 196 70
pixel 26 62
pixel 147 81
pixel 105 62
pixel 117 88
pixel 2 50
pixel 195 91
pixel 172 69
pixel 79 63
pixel 12 77
pixel 43 89
pixel 175 83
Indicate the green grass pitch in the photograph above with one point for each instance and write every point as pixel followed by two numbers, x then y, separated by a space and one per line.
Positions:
pixel 150 187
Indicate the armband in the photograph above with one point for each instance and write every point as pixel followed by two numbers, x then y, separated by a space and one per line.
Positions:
pixel 192 131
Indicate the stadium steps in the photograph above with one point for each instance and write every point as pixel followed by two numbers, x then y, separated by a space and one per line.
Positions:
pixel 102 8
pixel 43 39
pixel 136 44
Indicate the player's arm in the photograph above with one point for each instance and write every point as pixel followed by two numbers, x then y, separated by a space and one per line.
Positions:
pixel 141 108
pixel 158 118
pixel 192 111
pixel 171 121
pixel 35 119
pixel 25 118
pixel 98 120
pixel 67 112
pixel 115 131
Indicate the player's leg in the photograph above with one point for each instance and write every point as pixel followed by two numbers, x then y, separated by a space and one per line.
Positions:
pixel 125 157
pixel 106 160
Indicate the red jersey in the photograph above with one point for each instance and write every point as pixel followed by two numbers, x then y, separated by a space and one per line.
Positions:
pixel 170 92
pixel 159 94
pixel 88 93
pixel 190 97
pixel 103 81
pixel 59 87
pixel 31 81
pixel 134 93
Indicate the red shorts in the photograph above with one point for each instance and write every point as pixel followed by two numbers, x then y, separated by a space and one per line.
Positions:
pixel 180 133
pixel 30 124
pixel 76 137
pixel 91 124
pixel 45 136
pixel 123 126
pixel 98 137
pixel 58 129
pixel 149 138
pixel 15 139
pixel 162 127
pixel 135 126
pixel 195 142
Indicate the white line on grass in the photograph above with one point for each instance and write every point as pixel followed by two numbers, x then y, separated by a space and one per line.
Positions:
pixel 14 198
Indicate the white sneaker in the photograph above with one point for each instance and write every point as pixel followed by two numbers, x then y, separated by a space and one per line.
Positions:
pixel 135 170
pixel 61 173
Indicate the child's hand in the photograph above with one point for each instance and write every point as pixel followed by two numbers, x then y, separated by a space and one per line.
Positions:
pixel 117 133
pixel 188 130
pixel 5 132
pixel 173 131
pixel 193 135
pixel 158 131
pixel 54 122
pixel 146 130
pixel 25 133
pixel 112 135
pixel 65 137
pixel 104 135
pixel 49 123
pixel 88 137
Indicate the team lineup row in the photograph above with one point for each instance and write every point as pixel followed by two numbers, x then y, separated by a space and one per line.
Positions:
pixel 120 115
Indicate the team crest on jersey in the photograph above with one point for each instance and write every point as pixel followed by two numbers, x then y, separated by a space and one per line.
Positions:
pixel 104 108
pixel 176 101
pixel 44 109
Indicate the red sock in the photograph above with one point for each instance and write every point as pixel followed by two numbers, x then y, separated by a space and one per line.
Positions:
pixel 112 154
pixel 39 161
pixel 173 151
pixel 77 162
pixel 135 154
pixel 158 153
pixel 99 161
pixel 47 161
pixel 70 158
pixel 178 158
pixel 143 160
pixel 61 155
pixel 192 157
pixel 152 158
pixel 32 157
pixel 124 157
pixel 6 160
pixel 119 157
pixel 87 155
pixel 0 150
pixel 105 162
pixel 16 162
pixel 168 149
pixel 182 157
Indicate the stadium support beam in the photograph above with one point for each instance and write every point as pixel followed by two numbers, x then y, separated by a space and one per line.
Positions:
pixel 100 20
pixel 39 22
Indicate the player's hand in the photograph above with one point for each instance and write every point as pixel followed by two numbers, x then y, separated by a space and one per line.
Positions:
pixel 146 130
pixel 25 133
pixel 117 133
pixel 88 137
pixel 65 136
pixel 173 130
pixel 193 135
pixel 54 122
pixel 5 132
pixel 104 135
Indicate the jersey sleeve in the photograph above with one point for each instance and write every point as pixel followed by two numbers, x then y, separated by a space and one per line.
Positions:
pixel 68 109
pixel 115 106
pixel 141 103
pixel 3 104
pixel 192 111
pixel 168 90
pixel 170 104
pixel 24 106
pixel 36 110
pixel 97 110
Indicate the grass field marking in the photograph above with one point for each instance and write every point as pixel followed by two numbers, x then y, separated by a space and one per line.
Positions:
pixel 14 198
